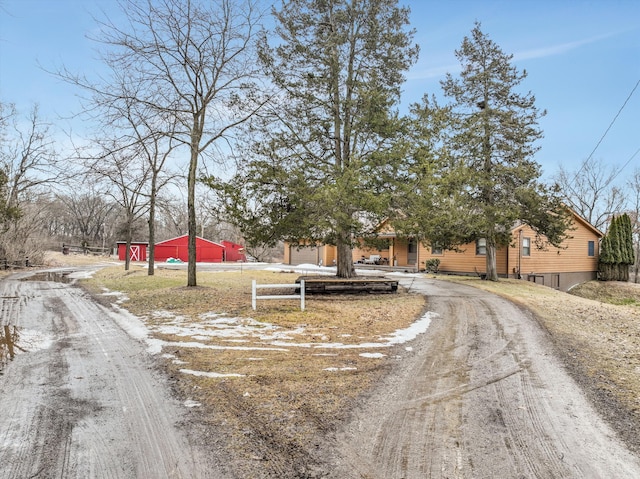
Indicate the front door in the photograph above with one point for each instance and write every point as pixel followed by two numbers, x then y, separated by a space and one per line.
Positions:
pixel 412 252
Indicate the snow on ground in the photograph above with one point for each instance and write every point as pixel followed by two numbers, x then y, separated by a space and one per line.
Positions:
pixel 233 331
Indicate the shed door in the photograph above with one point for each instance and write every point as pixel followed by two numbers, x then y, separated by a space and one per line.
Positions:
pixel 304 255
pixel 134 253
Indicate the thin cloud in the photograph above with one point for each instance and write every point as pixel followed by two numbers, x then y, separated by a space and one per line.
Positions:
pixel 558 49
pixel 553 50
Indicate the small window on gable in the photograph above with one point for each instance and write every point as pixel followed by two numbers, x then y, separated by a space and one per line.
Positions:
pixel 436 249
pixel 592 248
pixel 481 246
pixel 526 246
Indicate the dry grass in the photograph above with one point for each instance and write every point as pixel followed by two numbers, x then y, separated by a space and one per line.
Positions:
pixel 615 292
pixel 289 391
pixel 286 397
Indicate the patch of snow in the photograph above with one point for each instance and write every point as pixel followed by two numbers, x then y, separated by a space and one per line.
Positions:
pixel 210 374
pixel 191 403
pixel 192 344
pixel 340 369
pixel 373 355
pixel 418 327
pixel 30 340
pixel 135 328
pixel 120 297
pixel 220 326
pixel 302 269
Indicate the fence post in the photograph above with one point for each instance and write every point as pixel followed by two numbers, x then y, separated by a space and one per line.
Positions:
pixel 302 294
pixel 253 294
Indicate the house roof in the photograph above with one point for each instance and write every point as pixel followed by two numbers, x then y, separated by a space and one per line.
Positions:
pixel 392 234
pixel 579 218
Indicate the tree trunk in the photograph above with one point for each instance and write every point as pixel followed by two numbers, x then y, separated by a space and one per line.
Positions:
pixel 191 203
pixel 637 279
pixel 151 253
pixel 492 270
pixel 127 249
pixel 344 262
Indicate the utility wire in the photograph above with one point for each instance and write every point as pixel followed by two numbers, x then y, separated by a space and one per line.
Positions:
pixel 624 166
pixel 607 131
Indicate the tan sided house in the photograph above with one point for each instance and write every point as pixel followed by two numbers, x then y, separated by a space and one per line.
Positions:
pixel 560 268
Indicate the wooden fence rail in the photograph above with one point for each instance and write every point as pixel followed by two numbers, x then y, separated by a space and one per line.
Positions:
pixel 95 250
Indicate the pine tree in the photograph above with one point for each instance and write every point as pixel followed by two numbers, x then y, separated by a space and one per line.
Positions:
pixel 323 165
pixel 482 175
pixel 616 250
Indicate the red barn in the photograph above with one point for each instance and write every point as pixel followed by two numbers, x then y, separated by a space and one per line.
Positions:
pixel 233 251
pixel 137 251
pixel 178 248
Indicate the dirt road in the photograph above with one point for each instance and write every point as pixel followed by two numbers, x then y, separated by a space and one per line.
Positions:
pixel 480 396
pixel 79 398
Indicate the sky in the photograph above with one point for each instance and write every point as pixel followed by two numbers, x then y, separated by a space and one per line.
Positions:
pixel 582 58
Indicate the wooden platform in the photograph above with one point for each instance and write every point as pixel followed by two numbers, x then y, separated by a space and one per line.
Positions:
pixel 360 284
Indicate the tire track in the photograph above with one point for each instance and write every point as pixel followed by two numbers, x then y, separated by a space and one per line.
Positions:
pixel 88 406
pixel 481 397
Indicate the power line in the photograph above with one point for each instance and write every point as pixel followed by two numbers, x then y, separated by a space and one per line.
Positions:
pixel 607 131
pixel 624 166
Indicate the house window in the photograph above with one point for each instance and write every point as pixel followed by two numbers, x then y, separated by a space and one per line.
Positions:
pixel 411 246
pixel 592 248
pixel 481 246
pixel 526 246
pixel 436 249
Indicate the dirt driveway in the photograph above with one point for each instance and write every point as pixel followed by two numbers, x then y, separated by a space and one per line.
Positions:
pixel 479 395
pixel 482 396
pixel 80 398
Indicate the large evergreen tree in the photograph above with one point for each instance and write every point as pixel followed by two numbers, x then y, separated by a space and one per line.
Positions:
pixel 616 250
pixel 486 180
pixel 324 162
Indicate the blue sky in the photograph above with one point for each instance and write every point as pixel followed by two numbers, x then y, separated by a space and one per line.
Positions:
pixel 582 58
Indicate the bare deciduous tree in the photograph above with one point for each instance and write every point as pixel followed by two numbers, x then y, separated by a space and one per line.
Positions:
pixel 634 213
pixel 590 191
pixel 27 155
pixel 190 61
pixel 87 212
pixel 29 167
pixel 126 173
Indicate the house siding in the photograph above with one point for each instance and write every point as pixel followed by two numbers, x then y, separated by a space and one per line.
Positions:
pixel 572 256
pixel 559 268
pixel 464 261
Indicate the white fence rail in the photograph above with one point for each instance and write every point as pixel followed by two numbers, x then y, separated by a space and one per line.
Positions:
pixel 255 297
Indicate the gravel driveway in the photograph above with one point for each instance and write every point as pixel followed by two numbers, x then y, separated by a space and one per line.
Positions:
pixel 479 395
pixel 80 398
pixel 482 397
